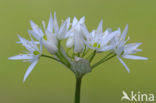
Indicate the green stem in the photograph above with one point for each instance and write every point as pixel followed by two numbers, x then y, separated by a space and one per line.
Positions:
pixel 43 55
pixel 93 55
pixel 78 54
pixel 59 51
pixel 103 60
pixel 83 54
pixel 61 56
pixel 78 90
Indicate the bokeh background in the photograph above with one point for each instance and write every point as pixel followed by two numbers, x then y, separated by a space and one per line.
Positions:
pixel 50 82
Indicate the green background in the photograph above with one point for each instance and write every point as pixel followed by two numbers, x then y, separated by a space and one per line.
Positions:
pixel 50 82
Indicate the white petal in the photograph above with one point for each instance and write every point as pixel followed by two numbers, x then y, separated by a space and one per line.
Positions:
pixel 106 48
pixel 85 31
pixel 30 68
pixel 124 64
pixel 115 39
pixel 34 26
pixel 118 33
pixel 34 34
pixel 36 29
pixel 78 43
pixel 135 57
pixel 82 20
pixel 132 46
pixel 69 34
pixel 35 42
pixel 138 50
pixel 51 47
pixel 100 27
pixel 44 24
pixel 124 33
pixel 56 27
pixel 68 22
pixel 51 38
pixel 62 31
pixel 41 45
pixel 75 21
pixel 108 38
pixel 22 40
pixel 107 32
pixel 70 42
pixel 29 45
pixel 21 57
pixel 50 24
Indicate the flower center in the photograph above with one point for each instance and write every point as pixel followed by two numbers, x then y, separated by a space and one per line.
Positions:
pixel 45 37
pixel 96 45
pixel 36 53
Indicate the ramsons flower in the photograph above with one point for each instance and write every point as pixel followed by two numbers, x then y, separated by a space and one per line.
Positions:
pixel 31 56
pixel 51 34
pixel 123 50
pixel 99 40
pixel 75 35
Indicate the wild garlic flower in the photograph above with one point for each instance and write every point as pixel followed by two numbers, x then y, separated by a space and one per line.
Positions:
pixel 99 40
pixel 32 55
pixel 124 50
pixel 51 34
pixel 75 36
pixel 49 39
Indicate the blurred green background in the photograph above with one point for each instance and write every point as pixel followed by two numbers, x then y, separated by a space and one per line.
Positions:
pixel 50 82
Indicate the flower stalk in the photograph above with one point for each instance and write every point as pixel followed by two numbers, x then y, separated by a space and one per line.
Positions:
pixel 78 89
pixel 106 58
pixel 92 56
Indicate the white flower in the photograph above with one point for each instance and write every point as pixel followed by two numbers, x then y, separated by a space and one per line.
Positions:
pixel 51 34
pixel 49 39
pixel 59 32
pixel 32 55
pixel 36 31
pixel 125 50
pixel 99 40
pixel 62 32
pixel 75 36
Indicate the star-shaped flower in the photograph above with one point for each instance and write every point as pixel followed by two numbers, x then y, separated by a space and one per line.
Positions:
pixel 51 34
pixel 123 50
pixel 99 40
pixel 32 55
pixel 75 35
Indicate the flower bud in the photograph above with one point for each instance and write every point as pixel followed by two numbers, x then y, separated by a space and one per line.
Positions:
pixel 70 42
pixel 52 48
pixel 50 42
pixel 80 67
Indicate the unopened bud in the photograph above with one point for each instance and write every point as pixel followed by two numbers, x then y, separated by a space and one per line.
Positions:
pixel 80 67
pixel 70 42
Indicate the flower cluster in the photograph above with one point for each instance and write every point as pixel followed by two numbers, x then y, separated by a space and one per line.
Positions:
pixel 81 45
